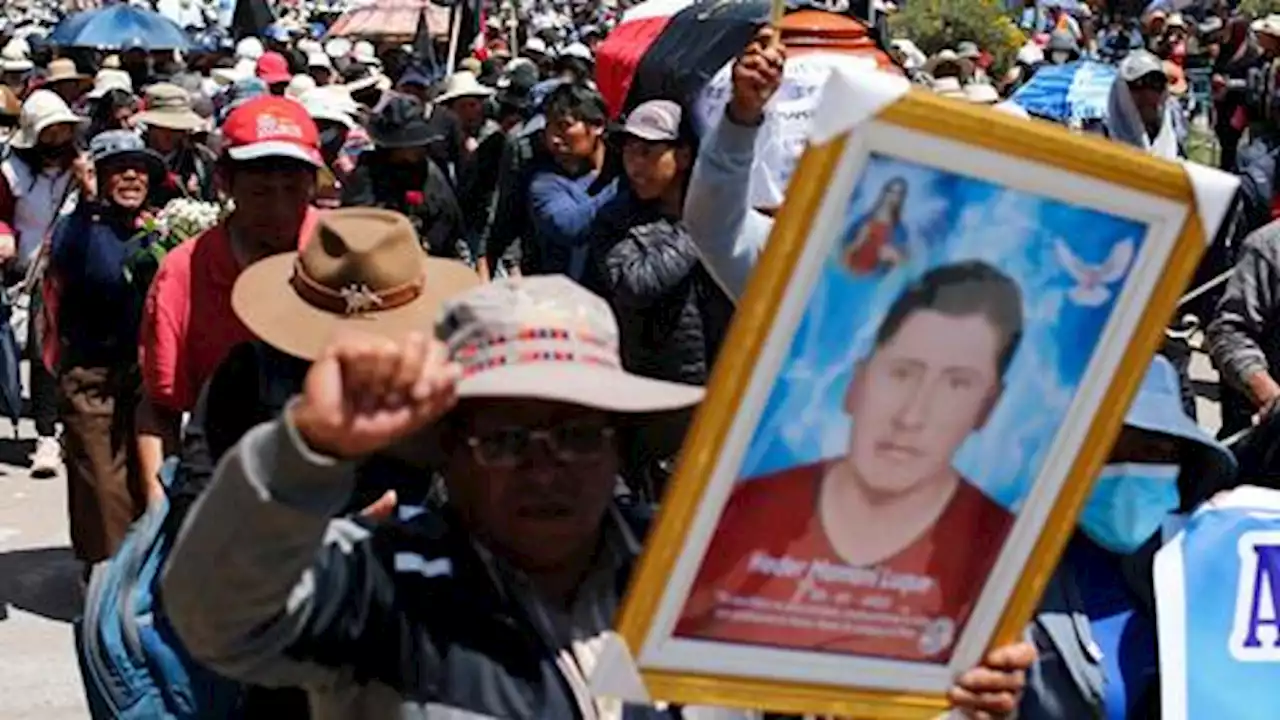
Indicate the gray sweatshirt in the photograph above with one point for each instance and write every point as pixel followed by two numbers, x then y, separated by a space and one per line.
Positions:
pixel 727 231
pixel 1244 336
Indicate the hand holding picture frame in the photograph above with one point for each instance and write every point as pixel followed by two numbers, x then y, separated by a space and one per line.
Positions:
pixel 924 376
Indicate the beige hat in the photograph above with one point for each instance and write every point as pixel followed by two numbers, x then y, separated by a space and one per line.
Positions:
pixel 111 62
pixel 362 269
pixel 471 65
pixel 299 85
pixel 545 337
pixel 1269 25
pixel 107 80
pixel 981 93
pixel 42 109
pixel 463 84
pixel 949 87
pixel 169 106
pixel 64 70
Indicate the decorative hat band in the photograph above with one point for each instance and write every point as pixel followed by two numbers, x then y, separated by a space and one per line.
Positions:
pixel 535 345
pixel 354 299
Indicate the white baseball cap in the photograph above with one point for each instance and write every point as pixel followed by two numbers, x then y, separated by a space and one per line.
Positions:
pixel 249 48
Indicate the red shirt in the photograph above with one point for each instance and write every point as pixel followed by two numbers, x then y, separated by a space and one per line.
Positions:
pixel 188 326
pixel 771 577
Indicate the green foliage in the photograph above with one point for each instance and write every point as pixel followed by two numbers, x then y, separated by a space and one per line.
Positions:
pixel 936 25
pixel 1258 8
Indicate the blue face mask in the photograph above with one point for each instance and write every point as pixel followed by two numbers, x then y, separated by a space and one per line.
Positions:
pixel 1128 504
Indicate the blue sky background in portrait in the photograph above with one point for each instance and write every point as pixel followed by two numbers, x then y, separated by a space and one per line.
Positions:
pixel 948 218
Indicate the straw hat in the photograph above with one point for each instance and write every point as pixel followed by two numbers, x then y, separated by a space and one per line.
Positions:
pixel 463 84
pixel 64 70
pixel 547 338
pixel 42 109
pixel 362 269
pixel 169 107
pixel 1269 25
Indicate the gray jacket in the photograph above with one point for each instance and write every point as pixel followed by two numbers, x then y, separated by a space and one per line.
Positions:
pixel 727 231
pixel 1244 337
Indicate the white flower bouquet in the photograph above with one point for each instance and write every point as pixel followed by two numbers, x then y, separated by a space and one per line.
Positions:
pixel 178 221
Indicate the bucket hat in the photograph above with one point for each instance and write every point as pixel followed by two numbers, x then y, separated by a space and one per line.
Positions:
pixel 463 84
pixel 169 106
pixel 401 123
pixel 299 85
pixel 42 109
pixel 548 338
pixel 120 144
pixel 362 269
pixel 107 80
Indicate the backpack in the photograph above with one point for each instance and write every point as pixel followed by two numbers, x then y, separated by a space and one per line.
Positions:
pixel 131 661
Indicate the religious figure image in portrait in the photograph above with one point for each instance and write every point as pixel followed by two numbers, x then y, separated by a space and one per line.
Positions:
pixel 883 550
pixel 877 240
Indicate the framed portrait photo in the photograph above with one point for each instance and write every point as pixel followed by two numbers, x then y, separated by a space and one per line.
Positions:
pixel 927 370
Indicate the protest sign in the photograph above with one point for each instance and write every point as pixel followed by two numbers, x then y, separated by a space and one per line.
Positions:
pixel 1218 609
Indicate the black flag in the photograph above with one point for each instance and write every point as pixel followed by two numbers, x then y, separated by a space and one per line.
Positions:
pixel 424 47
pixel 251 18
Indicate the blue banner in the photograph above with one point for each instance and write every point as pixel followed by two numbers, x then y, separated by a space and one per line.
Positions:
pixel 1218 609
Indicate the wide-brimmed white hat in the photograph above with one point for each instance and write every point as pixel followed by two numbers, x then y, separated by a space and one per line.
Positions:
pixel 43 109
pixel 319 60
pixel 364 54
pixel 249 48
pixel 107 80
pixel 299 85
pixel 13 57
pixel 331 103
pixel 337 47
pixel 244 68
pixel 949 87
pixel 463 84
pixel 1269 25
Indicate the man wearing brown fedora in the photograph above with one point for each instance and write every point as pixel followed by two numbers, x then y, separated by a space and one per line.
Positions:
pixel 490 606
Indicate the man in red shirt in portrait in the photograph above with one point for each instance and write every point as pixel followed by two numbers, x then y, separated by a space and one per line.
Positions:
pixel 883 551
pixel 271 152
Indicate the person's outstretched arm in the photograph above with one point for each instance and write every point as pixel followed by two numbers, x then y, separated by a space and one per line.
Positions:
pixel 727 231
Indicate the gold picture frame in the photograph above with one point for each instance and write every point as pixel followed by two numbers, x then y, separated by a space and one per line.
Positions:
pixel 918 115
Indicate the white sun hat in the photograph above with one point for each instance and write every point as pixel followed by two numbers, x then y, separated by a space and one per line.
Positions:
pixel 43 109
pixel 331 103
pixel 463 84
pixel 249 48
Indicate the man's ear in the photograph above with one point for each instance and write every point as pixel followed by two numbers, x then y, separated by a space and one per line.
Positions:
pixel 684 158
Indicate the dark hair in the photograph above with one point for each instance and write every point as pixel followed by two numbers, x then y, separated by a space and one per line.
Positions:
pixel 102 114
pixel 579 68
pixel 577 101
pixel 971 287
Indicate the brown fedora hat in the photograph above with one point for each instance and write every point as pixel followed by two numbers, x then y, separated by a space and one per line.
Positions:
pixel 361 269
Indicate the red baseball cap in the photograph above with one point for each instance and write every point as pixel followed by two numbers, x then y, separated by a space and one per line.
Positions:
pixel 270 126
pixel 272 68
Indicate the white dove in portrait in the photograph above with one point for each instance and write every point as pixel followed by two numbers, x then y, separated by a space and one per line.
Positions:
pixel 1093 281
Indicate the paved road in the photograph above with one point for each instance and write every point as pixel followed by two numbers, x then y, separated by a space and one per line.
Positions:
pixel 39 679
pixel 39 592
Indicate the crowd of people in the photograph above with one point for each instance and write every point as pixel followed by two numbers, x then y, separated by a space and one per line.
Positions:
pixel 468 315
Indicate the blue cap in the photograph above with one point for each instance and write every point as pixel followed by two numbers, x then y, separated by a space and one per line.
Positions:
pixel 118 143
pixel 238 93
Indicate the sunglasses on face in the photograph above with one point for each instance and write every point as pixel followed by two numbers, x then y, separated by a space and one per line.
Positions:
pixel 567 442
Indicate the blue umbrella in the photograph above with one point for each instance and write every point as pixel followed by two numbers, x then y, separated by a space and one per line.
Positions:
pixel 1073 91
pixel 120 27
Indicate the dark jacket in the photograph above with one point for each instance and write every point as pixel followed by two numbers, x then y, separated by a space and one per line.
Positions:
pixel 671 314
pixel 190 175
pixel 426 197
pixel 406 620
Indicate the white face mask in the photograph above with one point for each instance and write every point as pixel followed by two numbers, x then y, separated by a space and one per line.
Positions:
pixel 1058 57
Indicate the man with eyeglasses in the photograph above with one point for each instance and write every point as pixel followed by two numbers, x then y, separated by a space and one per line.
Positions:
pixel 491 606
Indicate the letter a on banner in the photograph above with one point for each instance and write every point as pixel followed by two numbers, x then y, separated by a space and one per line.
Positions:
pixel 1255 634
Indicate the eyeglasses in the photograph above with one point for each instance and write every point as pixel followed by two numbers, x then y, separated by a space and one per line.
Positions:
pixel 568 442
